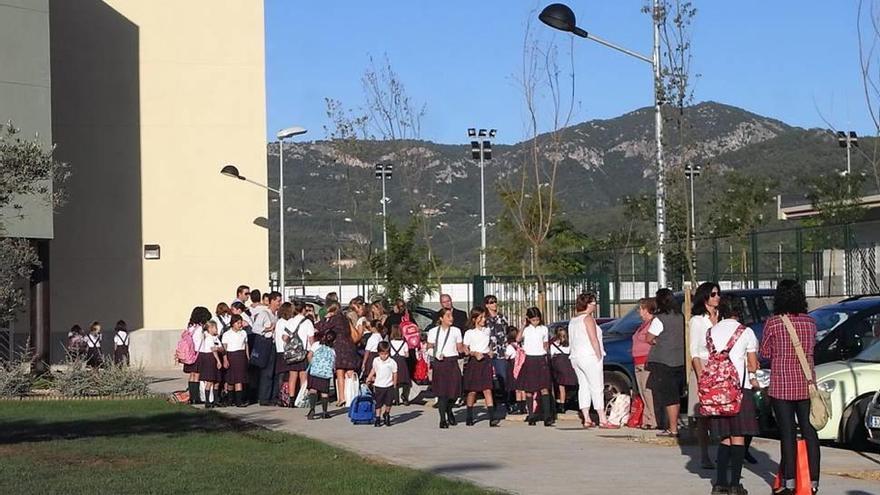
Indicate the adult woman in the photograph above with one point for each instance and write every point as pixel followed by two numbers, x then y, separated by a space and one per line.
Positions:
pixel 444 345
pixel 377 311
pixel 347 360
pixel 587 353
pixel 789 388
pixel 478 369
pixel 733 430
pixel 197 320
pixel 666 359
pixel 640 350
pixel 705 315
pixel 497 325
pixel 295 323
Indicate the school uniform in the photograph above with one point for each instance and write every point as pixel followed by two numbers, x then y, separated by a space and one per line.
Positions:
pixel 303 328
pixel 383 386
pixel 372 352
pixel 446 378
pixel 535 373
pixel 235 342
pixel 478 373
pixel 560 364
pixel 511 384
pixel 120 351
pixel 208 371
pixel 746 421
pixel 400 353
pixel 196 334
pixel 316 383
pixel 94 356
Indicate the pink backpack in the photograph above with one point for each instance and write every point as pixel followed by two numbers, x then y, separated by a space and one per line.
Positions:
pixel 519 360
pixel 186 349
pixel 410 331
pixel 720 386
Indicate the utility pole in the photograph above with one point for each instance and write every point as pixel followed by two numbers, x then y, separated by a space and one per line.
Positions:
pixel 481 149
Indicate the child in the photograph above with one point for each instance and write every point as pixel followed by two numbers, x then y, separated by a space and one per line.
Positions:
pixel 209 363
pixel 94 356
pixel 236 358
pixel 534 377
pixel 76 344
pixel 510 352
pixel 478 370
pixel 322 361
pixel 560 364
pixel 383 376
pixel 120 344
pixel 400 354
pixel 371 350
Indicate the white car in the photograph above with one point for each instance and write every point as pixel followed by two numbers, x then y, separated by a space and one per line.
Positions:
pixel 852 385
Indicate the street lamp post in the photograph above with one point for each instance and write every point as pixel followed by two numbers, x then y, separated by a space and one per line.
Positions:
pixel 847 140
pixel 692 172
pixel 481 149
pixel 383 173
pixel 561 17
pixel 282 135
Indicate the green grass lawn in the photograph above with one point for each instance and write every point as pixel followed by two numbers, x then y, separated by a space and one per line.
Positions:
pixel 150 446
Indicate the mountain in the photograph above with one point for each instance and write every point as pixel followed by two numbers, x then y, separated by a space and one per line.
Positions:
pixel 332 197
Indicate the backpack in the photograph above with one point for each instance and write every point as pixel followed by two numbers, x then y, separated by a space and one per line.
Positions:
pixel 617 409
pixel 185 352
pixel 294 350
pixel 362 410
pixel 323 361
pixel 519 360
pixel 420 372
pixel 719 387
pixel 284 395
pixel 410 331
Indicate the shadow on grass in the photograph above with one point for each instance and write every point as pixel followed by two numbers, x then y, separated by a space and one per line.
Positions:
pixel 174 423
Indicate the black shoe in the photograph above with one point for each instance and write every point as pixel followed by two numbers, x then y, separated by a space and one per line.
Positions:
pixel 469 420
pixel 387 418
pixel 311 415
pixel 493 419
pixel 378 422
pixel 720 490
pixel 560 408
pixel 547 411
pixel 737 490
pixel 325 415
pixel 443 425
pixel 450 417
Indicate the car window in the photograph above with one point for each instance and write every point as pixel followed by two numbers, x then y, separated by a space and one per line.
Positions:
pixel 422 321
pixel 869 329
pixel 748 317
pixel 765 307
pixel 870 354
pixel 628 324
pixel 827 319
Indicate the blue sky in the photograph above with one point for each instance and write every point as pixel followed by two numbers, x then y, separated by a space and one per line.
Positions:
pixel 796 61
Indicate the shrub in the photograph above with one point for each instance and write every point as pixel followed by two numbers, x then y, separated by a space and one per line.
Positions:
pixel 79 380
pixel 15 376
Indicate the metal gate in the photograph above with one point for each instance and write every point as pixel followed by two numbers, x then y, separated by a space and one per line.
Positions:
pixel 862 276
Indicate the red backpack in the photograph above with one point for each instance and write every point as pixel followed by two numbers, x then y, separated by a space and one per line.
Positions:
pixel 185 352
pixel 420 373
pixel 720 387
pixel 410 331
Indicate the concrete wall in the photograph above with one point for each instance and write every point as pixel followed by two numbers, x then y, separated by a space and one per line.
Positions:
pixel 150 100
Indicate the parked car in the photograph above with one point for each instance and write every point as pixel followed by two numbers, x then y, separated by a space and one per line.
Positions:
pixel 846 328
pixel 853 385
pixel 872 419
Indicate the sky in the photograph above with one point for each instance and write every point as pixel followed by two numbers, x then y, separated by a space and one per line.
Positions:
pixel 793 60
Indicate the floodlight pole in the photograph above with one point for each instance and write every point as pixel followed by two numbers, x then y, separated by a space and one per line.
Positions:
pixel 482 213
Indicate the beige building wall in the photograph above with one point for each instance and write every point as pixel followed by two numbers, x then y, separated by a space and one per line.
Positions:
pixel 173 90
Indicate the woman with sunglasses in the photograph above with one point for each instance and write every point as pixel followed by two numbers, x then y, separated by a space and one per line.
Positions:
pixel 704 316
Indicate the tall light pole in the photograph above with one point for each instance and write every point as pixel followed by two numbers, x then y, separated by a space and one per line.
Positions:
pixel 561 17
pixel 383 173
pixel 481 149
pixel 847 140
pixel 282 135
pixel 692 172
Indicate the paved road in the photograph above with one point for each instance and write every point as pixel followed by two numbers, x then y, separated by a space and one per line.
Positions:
pixel 533 460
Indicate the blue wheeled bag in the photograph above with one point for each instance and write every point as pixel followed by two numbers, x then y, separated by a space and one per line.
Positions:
pixel 362 410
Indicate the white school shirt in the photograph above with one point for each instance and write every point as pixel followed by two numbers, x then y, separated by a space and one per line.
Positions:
pixel 209 342
pixel 121 338
pixel 198 335
pixel 373 342
pixel 234 340
pixel 384 371
pixel 533 339
pixel 399 348
pixel 93 340
pixel 437 336
pixel 478 339
pixel 280 326
pixel 700 324
pixel 747 342
pixel 510 352
pixel 556 349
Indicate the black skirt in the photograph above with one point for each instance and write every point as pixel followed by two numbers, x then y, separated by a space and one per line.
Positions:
pixel 94 357
pixel 446 379
pixel 191 368
pixel 282 367
pixel 321 385
pixel 534 375
pixel 120 355
pixel 512 384
pixel 368 364
pixel 402 371
pixel 208 371
pixel 666 383
pixel 744 423
pixel 478 375
pixel 238 367
pixel 563 373
pixel 383 396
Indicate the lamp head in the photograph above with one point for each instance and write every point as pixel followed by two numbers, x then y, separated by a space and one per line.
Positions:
pixel 231 171
pixel 561 17
pixel 290 132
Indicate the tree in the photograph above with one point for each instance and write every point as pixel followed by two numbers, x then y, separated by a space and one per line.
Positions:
pixel 868 34
pixel 404 267
pixel 26 169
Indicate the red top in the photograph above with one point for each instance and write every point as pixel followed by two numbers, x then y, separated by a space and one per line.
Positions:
pixel 641 347
pixel 787 381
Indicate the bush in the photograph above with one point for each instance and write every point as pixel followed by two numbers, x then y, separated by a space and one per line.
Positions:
pixel 15 377
pixel 79 380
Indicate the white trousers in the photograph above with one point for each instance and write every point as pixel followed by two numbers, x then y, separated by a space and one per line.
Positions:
pixel 591 382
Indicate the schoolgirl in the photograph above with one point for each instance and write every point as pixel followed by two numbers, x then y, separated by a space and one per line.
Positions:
pixel 383 377
pixel 210 363
pixel 120 344
pixel 294 323
pixel 76 344
pixel 444 345
pixel 534 377
pixel 322 363
pixel 560 364
pixel 510 352
pixel 371 350
pixel 236 357
pixel 197 319
pixel 478 369
pixel 94 356
pixel 221 316
pixel 400 354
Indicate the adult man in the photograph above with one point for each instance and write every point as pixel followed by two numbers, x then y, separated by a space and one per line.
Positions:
pixel 256 298
pixel 459 317
pixel 264 327
pixel 331 297
pixel 242 295
pixel 497 324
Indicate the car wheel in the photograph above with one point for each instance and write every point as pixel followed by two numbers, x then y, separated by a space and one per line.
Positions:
pixel 855 435
pixel 616 383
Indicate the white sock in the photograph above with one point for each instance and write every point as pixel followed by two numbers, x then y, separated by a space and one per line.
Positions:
pixel 210 395
pixel 202 391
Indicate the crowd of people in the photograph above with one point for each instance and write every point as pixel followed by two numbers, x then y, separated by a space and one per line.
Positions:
pixel 89 345
pixel 259 349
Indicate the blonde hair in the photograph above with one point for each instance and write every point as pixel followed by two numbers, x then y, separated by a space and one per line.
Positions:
pixel 211 323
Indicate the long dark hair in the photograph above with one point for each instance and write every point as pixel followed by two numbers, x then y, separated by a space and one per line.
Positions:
pixel 730 307
pixel 666 302
pixel 701 295
pixel 476 311
pixel 199 316
pixel 789 298
pixel 534 312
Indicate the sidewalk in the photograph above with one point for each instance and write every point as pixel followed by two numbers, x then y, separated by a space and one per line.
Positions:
pixel 564 459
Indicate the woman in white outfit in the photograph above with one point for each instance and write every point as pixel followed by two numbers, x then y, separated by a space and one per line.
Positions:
pixel 587 353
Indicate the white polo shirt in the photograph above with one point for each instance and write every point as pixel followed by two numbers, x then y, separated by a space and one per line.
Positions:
pixel 534 338
pixel 436 336
pixel 234 340
pixel 385 370
pixel 373 342
pixel 478 339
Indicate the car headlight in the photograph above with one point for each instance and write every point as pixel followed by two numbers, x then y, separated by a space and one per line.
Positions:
pixel 827 386
pixel 763 377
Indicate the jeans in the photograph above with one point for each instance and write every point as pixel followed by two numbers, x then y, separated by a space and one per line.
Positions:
pixel 591 383
pixel 501 374
pixel 786 411
pixel 268 388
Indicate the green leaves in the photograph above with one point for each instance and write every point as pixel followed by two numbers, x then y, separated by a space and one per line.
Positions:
pixel 405 267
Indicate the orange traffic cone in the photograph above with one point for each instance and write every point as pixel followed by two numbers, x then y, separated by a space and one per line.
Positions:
pixel 803 484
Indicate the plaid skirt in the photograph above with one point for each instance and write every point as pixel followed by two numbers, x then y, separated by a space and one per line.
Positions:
pixel 534 375
pixel 208 371
pixel 402 371
pixel 446 379
pixel 478 375
pixel 238 367
pixel 744 423
pixel 511 384
pixel 282 367
pixel 563 372
pixel 321 385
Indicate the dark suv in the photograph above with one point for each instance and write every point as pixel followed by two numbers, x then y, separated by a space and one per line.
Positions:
pixel 843 329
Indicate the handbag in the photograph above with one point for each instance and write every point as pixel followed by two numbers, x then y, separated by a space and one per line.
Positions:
pixel 302 397
pixel 262 351
pixel 294 350
pixel 352 389
pixel 820 401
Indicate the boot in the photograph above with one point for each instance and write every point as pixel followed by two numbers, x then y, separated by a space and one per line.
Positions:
pixel 531 417
pixel 313 399
pixel 194 393
pixel 521 407
pixel 240 399
pixel 209 399
pixel 546 401
pixel 493 419
pixel 220 398
pixel 324 413
pixel 406 390
pixel 560 408
pixel 378 421
pixel 469 421
pixel 450 416
pixel 442 403
pixel 387 418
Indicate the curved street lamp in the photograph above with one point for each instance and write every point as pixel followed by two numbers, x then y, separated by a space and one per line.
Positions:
pixel 283 134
